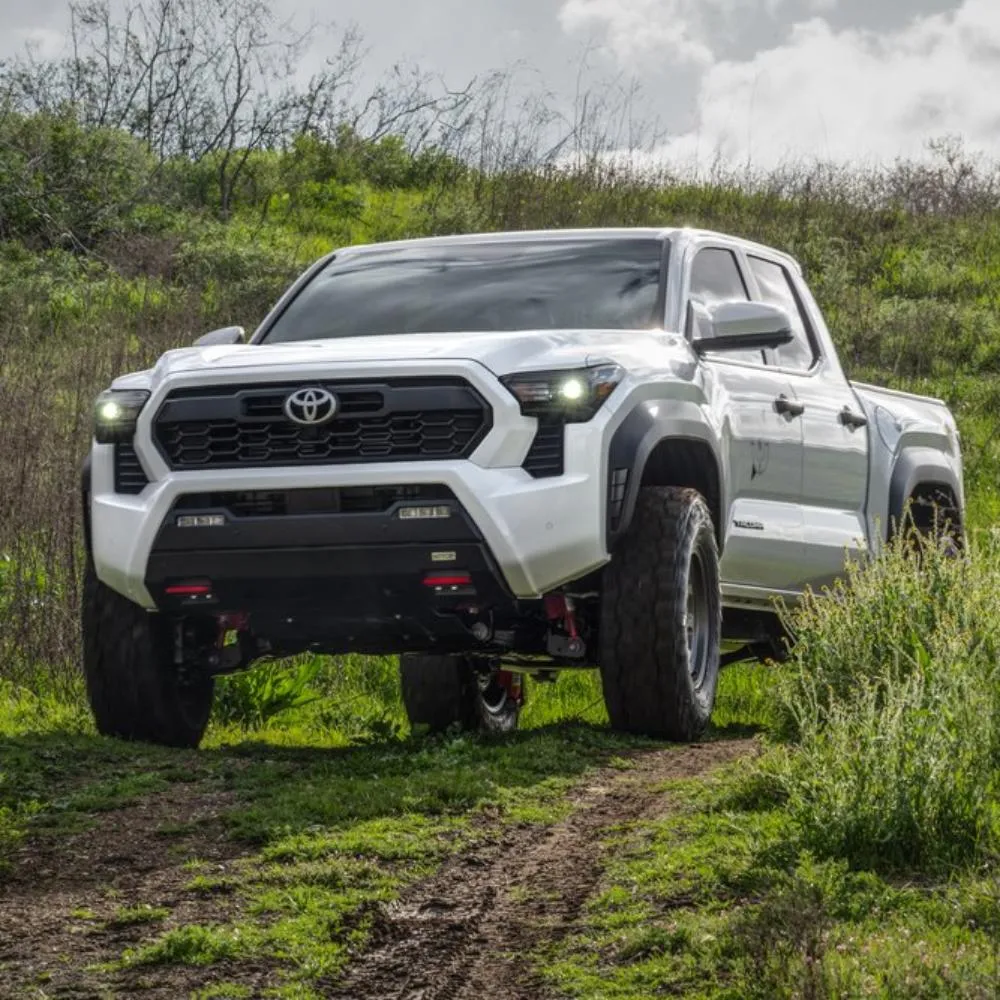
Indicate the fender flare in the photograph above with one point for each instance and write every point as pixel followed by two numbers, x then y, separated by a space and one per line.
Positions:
pixel 85 476
pixel 915 467
pixel 635 440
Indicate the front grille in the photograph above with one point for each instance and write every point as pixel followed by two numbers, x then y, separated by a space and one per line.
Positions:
pixel 130 478
pixel 402 420
pixel 545 458
pixel 324 500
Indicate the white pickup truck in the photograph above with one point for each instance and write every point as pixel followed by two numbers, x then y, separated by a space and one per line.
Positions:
pixel 495 455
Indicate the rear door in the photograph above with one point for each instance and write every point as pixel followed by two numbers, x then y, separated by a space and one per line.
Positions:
pixel 835 435
pixel 764 521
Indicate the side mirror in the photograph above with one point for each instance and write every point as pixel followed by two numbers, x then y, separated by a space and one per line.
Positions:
pixel 738 326
pixel 226 337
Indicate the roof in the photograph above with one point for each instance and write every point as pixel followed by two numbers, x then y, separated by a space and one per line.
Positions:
pixel 554 235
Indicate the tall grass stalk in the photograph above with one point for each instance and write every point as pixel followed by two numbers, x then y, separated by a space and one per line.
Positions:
pixel 892 699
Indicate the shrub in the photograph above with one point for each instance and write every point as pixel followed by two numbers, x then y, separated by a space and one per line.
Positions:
pixel 64 185
pixel 893 697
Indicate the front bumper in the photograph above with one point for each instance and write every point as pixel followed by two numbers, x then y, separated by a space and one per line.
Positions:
pixel 538 533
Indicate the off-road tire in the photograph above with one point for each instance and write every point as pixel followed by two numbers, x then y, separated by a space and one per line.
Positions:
pixel 134 688
pixel 444 691
pixel 645 656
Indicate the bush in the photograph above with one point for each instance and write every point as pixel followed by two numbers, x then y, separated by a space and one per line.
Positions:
pixel 893 697
pixel 64 185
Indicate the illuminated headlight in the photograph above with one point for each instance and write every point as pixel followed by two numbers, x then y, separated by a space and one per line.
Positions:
pixel 423 513
pixel 572 390
pixel 116 413
pixel 575 396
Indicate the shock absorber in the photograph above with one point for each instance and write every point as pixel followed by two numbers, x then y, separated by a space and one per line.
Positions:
pixel 564 635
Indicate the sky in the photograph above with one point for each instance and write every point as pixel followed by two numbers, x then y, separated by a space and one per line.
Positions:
pixel 748 81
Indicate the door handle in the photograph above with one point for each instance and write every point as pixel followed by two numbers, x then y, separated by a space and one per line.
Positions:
pixel 851 419
pixel 788 407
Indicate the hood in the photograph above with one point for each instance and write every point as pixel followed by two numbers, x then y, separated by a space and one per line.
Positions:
pixel 501 353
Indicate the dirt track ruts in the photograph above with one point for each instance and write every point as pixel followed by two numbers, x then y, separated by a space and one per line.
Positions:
pixel 468 932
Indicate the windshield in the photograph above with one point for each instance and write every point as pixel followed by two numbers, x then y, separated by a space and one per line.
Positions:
pixel 591 284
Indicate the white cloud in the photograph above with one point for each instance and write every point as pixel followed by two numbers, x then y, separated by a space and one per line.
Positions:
pixel 853 94
pixel 678 30
pixel 637 27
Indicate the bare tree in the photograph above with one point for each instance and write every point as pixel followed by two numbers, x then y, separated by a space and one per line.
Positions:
pixel 195 78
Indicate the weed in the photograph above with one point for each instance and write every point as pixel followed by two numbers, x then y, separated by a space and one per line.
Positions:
pixel 130 916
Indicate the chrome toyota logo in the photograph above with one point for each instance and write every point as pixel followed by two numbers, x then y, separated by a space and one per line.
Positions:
pixel 311 406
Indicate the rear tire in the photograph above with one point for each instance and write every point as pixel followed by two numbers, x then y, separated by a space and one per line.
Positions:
pixel 135 690
pixel 444 691
pixel 661 618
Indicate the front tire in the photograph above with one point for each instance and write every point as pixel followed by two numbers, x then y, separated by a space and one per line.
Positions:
pixel 135 690
pixel 444 691
pixel 661 618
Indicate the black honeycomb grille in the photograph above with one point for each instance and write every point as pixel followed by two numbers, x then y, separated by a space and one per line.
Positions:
pixel 545 457
pixel 236 427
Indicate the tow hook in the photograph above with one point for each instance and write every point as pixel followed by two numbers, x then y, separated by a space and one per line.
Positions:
pixel 560 611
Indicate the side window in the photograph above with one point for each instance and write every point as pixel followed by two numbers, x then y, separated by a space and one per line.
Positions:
pixel 777 289
pixel 715 278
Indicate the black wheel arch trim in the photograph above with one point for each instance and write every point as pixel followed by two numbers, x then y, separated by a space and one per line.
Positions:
pixel 85 480
pixel 635 440
pixel 917 467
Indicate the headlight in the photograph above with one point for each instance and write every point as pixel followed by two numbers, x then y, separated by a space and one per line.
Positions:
pixel 116 413
pixel 573 395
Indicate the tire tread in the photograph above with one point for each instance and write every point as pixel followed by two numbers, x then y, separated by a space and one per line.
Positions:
pixel 647 687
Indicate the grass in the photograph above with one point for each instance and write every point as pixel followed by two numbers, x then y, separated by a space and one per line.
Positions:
pixel 132 916
pixel 712 902
pixel 322 829
pixel 857 856
pixel 324 826
pixel 336 832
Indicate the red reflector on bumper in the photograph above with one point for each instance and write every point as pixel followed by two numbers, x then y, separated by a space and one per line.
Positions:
pixel 189 589
pixel 448 580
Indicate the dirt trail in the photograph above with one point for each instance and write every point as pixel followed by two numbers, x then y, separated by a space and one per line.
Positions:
pixel 467 933
pixel 57 910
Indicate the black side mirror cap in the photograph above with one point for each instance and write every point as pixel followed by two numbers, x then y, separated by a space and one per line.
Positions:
pixel 226 337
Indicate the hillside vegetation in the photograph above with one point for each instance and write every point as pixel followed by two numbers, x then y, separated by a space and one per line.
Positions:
pixel 854 857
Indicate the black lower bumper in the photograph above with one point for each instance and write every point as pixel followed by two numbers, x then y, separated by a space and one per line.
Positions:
pixel 366 581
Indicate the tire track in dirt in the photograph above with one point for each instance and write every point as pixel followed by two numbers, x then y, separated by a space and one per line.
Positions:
pixel 467 932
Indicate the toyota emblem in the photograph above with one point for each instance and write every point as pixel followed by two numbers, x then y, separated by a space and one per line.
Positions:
pixel 311 407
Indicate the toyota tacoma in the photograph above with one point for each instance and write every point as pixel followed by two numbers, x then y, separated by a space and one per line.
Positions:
pixel 493 456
